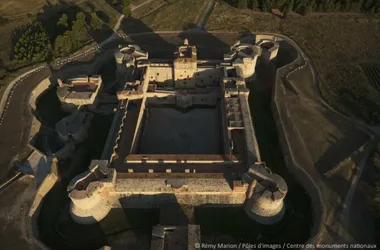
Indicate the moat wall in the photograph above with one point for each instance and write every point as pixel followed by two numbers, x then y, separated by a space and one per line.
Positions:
pixel 194 199
pixel 51 179
pixel 34 212
pixel 296 163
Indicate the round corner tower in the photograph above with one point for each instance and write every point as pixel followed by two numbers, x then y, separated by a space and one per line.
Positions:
pixel 265 199
pixel 90 194
pixel 245 58
pixel 90 205
pixel 269 50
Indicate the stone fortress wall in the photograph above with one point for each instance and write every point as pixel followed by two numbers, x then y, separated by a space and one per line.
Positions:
pixel 48 181
pixel 292 165
pixel 149 191
pixel 203 76
pixel 44 188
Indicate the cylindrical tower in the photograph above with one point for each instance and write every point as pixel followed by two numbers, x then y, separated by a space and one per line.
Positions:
pixel 269 50
pixel 89 205
pixel 265 200
pixel 245 58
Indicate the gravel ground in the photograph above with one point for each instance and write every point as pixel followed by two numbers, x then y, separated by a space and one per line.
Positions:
pixel 15 202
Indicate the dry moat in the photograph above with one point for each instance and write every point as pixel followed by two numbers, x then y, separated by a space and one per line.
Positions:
pixel 170 152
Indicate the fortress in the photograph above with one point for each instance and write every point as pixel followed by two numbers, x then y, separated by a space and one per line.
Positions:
pixel 182 133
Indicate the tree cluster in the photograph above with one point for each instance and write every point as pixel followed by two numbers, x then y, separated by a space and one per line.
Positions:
pixel 308 6
pixel 126 7
pixel 32 45
pixel 75 34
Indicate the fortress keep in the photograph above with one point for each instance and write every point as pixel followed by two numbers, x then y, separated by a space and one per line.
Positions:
pixel 182 133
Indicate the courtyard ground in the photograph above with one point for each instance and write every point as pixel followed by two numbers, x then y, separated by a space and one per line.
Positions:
pixel 192 132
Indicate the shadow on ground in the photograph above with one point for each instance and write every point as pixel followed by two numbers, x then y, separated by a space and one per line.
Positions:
pixel 57 229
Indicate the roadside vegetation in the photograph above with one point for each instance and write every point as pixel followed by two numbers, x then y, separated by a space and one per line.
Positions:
pixel 72 36
pixel 376 159
pixel 40 30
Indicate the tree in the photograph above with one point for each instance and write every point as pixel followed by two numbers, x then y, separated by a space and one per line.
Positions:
pixel 376 160
pixel 81 17
pixel 63 21
pixel 264 6
pixel 254 4
pixel 96 23
pixel 32 45
pixel 337 7
pixel 307 9
pixel 243 4
pixel 61 45
pixel 377 192
pixel 79 29
pixel 126 7
pixel 367 5
pixel 298 6
pixel 288 8
pixel 328 6
pixel 319 8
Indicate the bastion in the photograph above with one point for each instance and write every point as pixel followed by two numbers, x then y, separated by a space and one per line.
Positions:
pixel 182 133
pixel 79 91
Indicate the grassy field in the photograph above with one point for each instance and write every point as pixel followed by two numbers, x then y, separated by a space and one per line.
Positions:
pixel 176 15
pixel 147 9
pixel 337 44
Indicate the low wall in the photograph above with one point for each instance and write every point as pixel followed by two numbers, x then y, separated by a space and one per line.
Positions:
pixel 34 212
pixel 296 165
pixel 11 85
pixel 193 199
pixel 138 125
pixel 51 179
pixel 43 86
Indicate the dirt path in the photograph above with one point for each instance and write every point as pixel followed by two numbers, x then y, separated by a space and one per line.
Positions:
pixel 206 13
